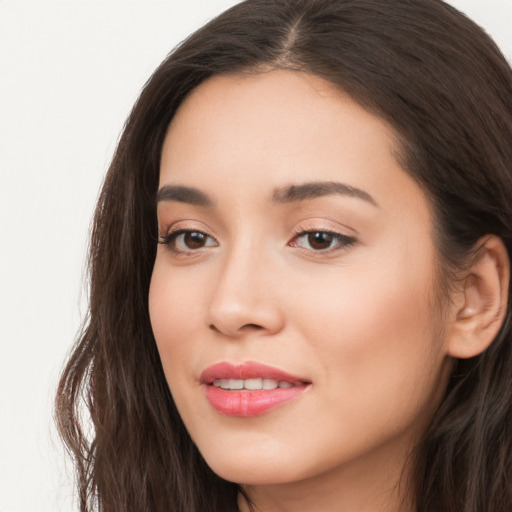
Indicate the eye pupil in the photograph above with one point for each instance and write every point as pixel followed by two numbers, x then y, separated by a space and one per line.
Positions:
pixel 194 240
pixel 320 240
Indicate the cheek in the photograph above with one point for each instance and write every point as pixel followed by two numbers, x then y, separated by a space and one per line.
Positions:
pixel 364 303
pixel 375 337
pixel 174 306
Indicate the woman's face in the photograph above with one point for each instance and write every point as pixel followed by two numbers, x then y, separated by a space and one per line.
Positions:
pixel 297 257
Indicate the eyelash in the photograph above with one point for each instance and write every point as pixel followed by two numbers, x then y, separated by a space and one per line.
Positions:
pixel 344 242
pixel 169 240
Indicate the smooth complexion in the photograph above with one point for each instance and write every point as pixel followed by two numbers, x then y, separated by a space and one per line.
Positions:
pixel 332 283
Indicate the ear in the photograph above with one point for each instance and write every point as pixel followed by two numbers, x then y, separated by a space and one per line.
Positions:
pixel 481 301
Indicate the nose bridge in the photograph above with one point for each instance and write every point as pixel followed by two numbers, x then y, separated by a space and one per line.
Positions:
pixel 244 297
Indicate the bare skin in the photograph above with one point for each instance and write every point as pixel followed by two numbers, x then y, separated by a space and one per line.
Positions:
pixel 337 287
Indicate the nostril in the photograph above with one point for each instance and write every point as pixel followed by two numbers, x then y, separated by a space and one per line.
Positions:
pixel 245 327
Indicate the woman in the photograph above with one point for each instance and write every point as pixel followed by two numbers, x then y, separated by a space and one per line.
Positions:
pixel 300 271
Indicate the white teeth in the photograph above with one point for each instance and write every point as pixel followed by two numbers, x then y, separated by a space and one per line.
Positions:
pixel 236 384
pixel 270 384
pixel 251 384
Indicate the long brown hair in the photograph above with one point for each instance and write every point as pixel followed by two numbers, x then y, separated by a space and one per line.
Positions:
pixel 444 86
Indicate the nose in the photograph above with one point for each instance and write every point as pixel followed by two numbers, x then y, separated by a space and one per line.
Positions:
pixel 245 298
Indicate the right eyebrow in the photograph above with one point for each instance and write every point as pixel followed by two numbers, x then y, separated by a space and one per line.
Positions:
pixel 314 189
pixel 184 194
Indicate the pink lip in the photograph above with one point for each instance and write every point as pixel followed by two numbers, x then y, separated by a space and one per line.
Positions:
pixel 246 403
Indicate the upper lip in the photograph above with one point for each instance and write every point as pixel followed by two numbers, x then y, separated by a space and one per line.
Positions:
pixel 247 370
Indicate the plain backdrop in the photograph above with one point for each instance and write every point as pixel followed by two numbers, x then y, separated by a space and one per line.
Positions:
pixel 69 74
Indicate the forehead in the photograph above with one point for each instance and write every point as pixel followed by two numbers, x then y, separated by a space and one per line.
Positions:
pixel 269 129
pixel 277 109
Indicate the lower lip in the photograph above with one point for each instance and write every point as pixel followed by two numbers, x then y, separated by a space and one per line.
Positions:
pixel 250 403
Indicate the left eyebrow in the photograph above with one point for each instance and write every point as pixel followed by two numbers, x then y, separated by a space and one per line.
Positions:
pixel 314 189
pixel 184 194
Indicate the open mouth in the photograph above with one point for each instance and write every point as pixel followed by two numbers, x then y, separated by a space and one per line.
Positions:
pixel 248 375
pixel 257 384
pixel 249 389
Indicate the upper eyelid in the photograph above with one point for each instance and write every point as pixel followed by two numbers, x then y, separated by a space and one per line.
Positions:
pixel 184 225
pixel 179 231
pixel 317 226
pixel 340 230
pixel 302 230
pixel 300 234
pixel 176 227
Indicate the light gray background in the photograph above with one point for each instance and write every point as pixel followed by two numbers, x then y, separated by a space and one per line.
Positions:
pixel 69 74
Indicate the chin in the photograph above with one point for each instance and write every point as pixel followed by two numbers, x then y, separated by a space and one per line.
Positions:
pixel 241 474
pixel 259 468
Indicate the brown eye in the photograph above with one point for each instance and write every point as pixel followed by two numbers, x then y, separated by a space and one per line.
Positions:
pixel 194 239
pixel 183 241
pixel 320 240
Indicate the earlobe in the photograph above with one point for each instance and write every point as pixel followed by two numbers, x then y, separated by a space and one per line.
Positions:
pixel 483 304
